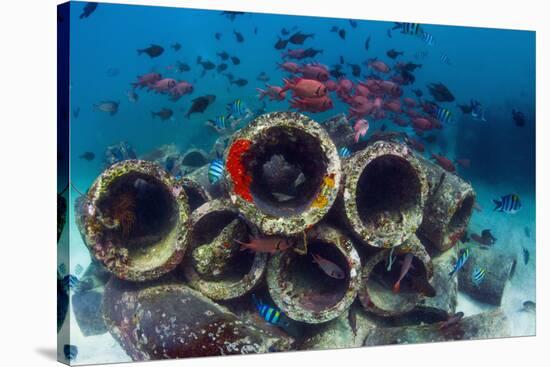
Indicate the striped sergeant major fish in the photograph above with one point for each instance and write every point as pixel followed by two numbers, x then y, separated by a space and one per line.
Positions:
pixel 70 282
pixel 443 115
pixel 464 256
pixel 344 152
pixel 409 28
pixel 445 59
pixel 427 38
pixel 477 275
pixel 270 314
pixel 215 170
pixel 219 122
pixel 237 108
pixel 509 204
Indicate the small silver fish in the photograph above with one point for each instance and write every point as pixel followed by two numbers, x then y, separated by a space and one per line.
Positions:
pixel 330 268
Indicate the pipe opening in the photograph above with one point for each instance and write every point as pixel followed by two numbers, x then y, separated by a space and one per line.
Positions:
pixel 461 217
pixel 141 211
pixel 194 158
pixel 205 232
pixel 195 197
pixel 381 283
pixel 387 189
pixel 287 167
pixel 311 286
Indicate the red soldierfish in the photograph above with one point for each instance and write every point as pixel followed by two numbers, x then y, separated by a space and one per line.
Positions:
pixel 270 245
pixel 444 163
pixel 274 93
pixel 405 267
pixel 361 127
pixel 305 88
pixel 330 268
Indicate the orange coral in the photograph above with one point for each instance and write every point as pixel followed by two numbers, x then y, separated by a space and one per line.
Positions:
pixel 235 167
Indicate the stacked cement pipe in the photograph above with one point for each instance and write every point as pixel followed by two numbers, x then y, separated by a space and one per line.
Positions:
pixel 159 236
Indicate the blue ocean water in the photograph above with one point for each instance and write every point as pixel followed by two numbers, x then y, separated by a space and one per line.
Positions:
pixel 494 66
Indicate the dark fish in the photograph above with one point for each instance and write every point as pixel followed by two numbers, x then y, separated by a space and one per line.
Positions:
pixel 465 108
pixel 311 52
pixel 518 117
pixel 355 70
pixel 164 114
pixel 206 65
pixel 89 8
pixel 367 43
pixel 388 33
pixel 229 76
pixel 341 59
pixel 221 67
pixel 153 51
pixel 238 36
pixel 525 255
pixel 76 112
pixel 417 92
pixel 353 23
pixel 240 82
pixel 393 53
pixel 527 231
pixel 280 44
pixel 342 34
pixel 285 32
pixel 70 352
pixel 235 60
pixel 200 104
pixel 182 67
pixel 224 55
pixel 176 46
pixel 298 38
pixel 336 71
pixel 87 156
pixel 218 35
pixel 255 30
pixel 440 92
pixel 231 15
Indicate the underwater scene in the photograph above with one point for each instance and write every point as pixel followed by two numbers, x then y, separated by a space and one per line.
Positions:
pixel 235 183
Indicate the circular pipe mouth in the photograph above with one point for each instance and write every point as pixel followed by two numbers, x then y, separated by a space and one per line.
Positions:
pixel 139 211
pixel 381 282
pixel 320 284
pixel 287 167
pixel 195 158
pixel 387 189
pixel 461 217
pixel 313 289
pixel 205 231
pixel 196 194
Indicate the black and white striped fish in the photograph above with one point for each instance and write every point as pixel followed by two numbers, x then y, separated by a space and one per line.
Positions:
pixel 427 38
pixel 464 256
pixel 445 59
pixel 477 275
pixel 409 28
pixel 421 54
pixel 443 115
pixel 268 313
pixel 509 204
